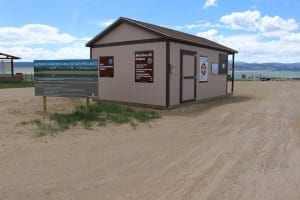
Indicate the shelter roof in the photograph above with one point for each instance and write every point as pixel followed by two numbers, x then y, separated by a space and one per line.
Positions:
pixel 7 56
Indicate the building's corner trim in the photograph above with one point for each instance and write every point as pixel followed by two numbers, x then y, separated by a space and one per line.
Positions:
pixel 167 73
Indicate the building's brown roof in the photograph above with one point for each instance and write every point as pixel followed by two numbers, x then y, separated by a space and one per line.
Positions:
pixel 166 33
pixel 7 56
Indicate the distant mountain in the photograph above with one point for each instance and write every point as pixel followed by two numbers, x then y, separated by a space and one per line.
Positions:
pixel 23 64
pixel 238 66
pixel 267 66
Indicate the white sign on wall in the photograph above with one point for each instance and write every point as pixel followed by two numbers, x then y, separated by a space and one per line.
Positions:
pixel 215 69
pixel 203 72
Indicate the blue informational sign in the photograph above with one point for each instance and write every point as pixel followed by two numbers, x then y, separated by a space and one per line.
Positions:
pixel 66 78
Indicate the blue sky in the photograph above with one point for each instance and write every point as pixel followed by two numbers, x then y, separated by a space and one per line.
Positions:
pixel 261 30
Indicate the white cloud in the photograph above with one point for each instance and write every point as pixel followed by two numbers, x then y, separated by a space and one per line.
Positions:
pixel 205 24
pixel 274 39
pixel 257 47
pixel 73 52
pixel 242 20
pixel 276 26
pixel 201 25
pixel 210 34
pixel 103 23
pixel 33 34
pixel 192 26
pixel 38 41
pixel 292 37
pixel 209 3
pixel 177 27
pixel 107 22
pixel 76 51
pixel 254 47
pixel 253 21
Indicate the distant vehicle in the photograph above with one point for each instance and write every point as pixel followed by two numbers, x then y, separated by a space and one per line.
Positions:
pixel 264 78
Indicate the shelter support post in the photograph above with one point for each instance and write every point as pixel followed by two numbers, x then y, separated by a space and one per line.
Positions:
pixel 232 75
pixel 12 67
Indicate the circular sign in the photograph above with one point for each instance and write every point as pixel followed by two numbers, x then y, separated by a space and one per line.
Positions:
pixel 149 61
pixel 110 61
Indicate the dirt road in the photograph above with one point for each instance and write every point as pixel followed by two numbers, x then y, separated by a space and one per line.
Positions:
pixel 244 147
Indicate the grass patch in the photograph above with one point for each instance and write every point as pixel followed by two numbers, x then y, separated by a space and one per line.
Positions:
pixel 24 84
pixel 43 128
pixel 100 113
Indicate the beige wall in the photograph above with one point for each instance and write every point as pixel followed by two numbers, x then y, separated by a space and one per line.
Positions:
pixel 216 85
pixel 126 32
pixel 122 87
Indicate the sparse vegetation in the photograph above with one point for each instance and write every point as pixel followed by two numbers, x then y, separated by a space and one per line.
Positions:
pixel 16 84
pixel 103 113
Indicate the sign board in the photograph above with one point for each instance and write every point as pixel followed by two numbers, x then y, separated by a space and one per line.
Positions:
pixel 144 62
pixel 106 66
pixel 203 72
pixel 66 78
pixel 5 67
pixel 215 69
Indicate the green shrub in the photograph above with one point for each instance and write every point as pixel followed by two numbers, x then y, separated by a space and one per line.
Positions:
pixel 103 113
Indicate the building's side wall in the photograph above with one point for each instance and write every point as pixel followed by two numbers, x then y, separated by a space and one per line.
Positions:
pixel 216 85
pixel 122 87
pixel 126 32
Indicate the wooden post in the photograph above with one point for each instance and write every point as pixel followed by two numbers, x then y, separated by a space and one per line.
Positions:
pixel 87 104
pixel 45 103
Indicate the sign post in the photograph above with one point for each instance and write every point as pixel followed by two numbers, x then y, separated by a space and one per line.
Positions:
pixel 87 104
pixel 45 103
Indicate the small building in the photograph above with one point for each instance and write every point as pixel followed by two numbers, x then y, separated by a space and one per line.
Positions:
pixel 146 64
pixel 7 68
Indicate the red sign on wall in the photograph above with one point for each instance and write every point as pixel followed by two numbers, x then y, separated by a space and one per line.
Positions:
pixel 144 62
pixel 106 66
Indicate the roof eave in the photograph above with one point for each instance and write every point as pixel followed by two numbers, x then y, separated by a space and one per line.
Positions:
pixel 9 56
pixel 225 49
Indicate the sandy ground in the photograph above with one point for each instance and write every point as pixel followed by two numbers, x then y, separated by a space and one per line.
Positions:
pixel 243 147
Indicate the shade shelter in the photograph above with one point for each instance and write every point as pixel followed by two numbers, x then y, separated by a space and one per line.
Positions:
pixel 148 64
pixel 11 58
